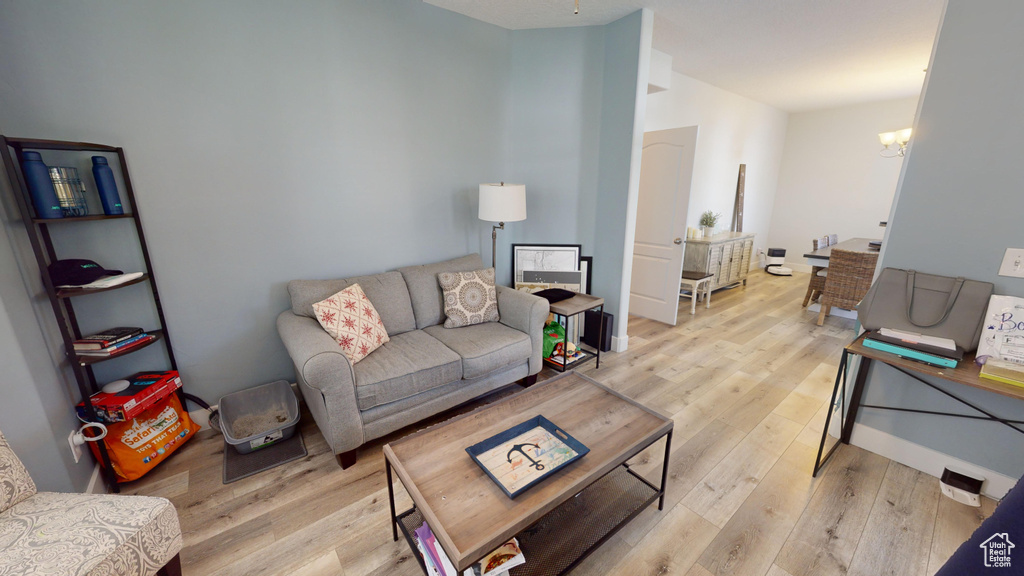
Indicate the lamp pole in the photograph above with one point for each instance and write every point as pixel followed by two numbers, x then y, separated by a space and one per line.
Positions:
pixel 494 241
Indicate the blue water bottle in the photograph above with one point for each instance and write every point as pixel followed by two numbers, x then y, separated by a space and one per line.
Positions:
pixel 107 187
pixel 40 187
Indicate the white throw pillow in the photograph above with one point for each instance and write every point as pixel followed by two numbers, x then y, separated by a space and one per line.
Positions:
pixel 350 318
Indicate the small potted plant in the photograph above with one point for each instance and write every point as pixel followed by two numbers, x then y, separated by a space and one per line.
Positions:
pixel 707 221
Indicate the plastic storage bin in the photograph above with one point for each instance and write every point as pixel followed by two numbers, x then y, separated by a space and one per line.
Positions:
pixel 259 417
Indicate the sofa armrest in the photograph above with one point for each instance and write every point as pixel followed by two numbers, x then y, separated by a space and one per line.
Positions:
pixel 526 313
pixel 326 379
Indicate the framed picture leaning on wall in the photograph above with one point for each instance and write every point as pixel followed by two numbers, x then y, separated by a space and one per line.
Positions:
pixel 544 257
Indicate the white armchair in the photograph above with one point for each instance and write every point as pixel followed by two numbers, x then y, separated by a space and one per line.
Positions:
pixel 82 534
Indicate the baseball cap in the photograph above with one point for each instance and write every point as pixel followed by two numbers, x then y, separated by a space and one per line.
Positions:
pixel 76 272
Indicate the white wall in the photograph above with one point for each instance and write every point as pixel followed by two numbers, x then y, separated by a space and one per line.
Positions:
pixel 732 130
pixel 833 180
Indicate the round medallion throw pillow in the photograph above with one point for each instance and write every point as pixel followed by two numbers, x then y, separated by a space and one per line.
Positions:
pixel 469 297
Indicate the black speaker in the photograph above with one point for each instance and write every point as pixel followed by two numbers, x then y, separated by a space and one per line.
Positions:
pixel 593 327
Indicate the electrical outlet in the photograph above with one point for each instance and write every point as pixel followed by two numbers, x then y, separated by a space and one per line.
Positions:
pixel 76 450
pixel 1013 263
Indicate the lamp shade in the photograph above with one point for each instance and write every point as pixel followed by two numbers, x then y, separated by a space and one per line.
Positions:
pixel 502 202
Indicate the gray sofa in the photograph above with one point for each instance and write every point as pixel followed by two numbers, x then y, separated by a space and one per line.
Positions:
pixel 424 369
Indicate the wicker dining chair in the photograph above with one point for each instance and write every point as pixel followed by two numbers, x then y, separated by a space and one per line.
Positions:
pixel 816 285
pixel 817 282
pixel 848 281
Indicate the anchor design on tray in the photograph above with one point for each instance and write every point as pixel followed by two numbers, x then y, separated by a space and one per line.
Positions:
pixel 519 448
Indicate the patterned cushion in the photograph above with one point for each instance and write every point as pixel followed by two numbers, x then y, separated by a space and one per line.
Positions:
pixel 15 483
pixel 352 321
pixel 469 297
pixel 88 535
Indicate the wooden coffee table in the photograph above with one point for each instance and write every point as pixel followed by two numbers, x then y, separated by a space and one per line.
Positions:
pixel 559 521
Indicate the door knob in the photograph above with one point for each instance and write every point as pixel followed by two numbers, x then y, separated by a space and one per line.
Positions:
pixel 677 241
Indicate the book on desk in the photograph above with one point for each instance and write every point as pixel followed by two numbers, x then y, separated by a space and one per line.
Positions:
pixel 920 352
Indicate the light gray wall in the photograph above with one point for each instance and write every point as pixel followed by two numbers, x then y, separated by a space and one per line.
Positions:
pixel 271 141
pixel 958 208
pixel 621 141
pixel 570 133
pixel 35 405
pixel 554 127
pixel 267 141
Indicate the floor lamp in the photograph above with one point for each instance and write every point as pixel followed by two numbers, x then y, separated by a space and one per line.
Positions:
pixel 501 203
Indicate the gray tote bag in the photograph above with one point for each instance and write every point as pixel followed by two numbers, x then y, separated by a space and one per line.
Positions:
pixel 927 304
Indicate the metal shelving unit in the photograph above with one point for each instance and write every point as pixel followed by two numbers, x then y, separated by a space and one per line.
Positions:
pixel 61 299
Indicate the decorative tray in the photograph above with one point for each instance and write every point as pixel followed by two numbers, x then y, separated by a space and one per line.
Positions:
pixel 523 455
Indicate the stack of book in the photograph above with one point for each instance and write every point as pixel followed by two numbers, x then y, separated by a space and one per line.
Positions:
pixel 113 340
pixel 1003 371
pixel 933 350
pixel 497 563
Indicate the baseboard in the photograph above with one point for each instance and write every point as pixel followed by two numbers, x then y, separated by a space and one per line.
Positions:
pixel 620 344
pixel 96 484
pixel 799 266
pixel 816 308
pixel 927 460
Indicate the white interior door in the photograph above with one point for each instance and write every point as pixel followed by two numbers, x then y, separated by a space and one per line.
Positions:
pixel 665 173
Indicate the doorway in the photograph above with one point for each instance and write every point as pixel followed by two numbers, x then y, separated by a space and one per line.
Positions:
pixel 666 170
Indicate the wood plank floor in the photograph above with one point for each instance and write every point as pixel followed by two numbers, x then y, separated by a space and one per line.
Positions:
pixel 746 383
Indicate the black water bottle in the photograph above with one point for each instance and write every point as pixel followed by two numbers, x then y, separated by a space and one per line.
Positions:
pixel 40 187
pixel 106 186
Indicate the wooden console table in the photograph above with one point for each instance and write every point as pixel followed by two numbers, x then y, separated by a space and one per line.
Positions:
pixel 726 256
pixel 966 373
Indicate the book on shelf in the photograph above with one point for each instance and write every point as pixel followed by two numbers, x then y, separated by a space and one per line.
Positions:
pixel 434 555
pixel 1003 371
pixel 427 562
pixel 499 561
pixel 133 342
pixel 107 338
pixel 144 390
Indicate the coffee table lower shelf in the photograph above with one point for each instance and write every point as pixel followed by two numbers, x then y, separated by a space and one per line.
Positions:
pixel 560 540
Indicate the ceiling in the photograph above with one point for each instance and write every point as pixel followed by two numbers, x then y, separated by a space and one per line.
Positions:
pixel 795 55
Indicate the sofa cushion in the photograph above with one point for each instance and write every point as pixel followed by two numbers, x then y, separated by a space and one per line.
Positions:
pixel 484 348
pixel 386 291
pixel 426 295
pixel 15 483
pixel 410 363
pixel 88 534
pixel 350 318
pixel 469 297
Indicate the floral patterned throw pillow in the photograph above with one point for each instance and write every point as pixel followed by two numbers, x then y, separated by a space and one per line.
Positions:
pixel 352 321
pixel 469 297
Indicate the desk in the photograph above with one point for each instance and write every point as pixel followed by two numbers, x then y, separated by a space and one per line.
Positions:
pixel 819 258
pixel 966 374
